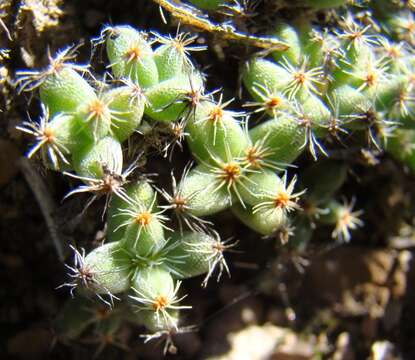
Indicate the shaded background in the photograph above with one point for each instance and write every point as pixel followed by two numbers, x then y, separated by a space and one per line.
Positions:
pixel 338 302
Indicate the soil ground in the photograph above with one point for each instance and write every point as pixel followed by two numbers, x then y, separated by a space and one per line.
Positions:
pixel 348 302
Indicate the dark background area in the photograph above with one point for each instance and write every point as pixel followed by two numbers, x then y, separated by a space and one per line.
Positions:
pixel 348 297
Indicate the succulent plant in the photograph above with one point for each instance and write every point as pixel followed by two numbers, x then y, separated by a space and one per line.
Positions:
pixel 338 84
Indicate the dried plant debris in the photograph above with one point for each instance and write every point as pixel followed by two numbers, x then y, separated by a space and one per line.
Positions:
pixel 173 178
pixel 42 14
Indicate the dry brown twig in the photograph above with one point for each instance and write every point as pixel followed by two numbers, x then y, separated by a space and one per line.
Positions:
pixel 186 16
pixel 46 204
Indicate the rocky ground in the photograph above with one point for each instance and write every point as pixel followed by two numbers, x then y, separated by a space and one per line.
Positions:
pixel 330 302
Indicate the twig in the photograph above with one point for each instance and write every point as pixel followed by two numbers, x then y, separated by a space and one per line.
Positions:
pixel 186 16
pixel 45 201
pixel 6 30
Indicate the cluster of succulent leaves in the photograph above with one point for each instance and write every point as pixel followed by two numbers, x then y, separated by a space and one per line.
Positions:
pixel 350 83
